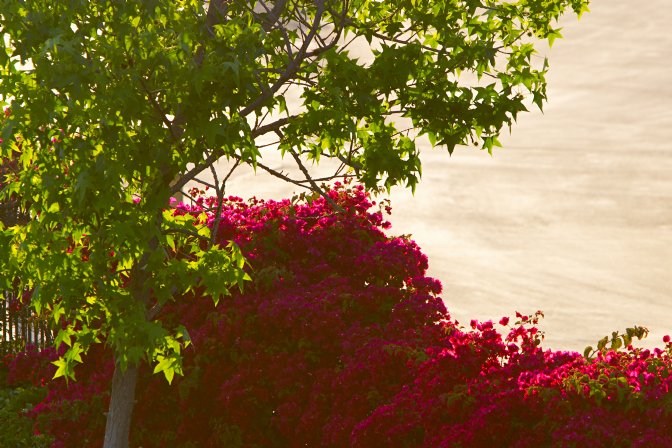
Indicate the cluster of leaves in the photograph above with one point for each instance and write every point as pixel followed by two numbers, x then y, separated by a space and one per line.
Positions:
pixel 343 341
pixel 78 269
pixel 119 73
pixel 11 212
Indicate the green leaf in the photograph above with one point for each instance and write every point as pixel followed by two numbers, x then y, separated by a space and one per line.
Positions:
pixel 554 35
pixel 64 336
pixel 616 343
pixel 62 368
pixel 167 366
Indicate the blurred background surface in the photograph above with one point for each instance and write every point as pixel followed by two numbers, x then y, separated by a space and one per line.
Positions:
pixel 573 216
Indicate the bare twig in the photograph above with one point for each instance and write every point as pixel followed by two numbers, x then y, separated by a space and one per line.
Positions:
pixel 312 182
pixel 219 189
pixel 270 127
pixel 192 173
pixel 204 182
pixel 279 175
pixel 273 15
pixel 226 178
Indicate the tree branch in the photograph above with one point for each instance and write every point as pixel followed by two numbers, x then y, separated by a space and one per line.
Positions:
pixel 271 127
pixel 203 182
pixel 192 173
pixel 219 189
pixel 273 15
pixel 312 182
pixel 291 68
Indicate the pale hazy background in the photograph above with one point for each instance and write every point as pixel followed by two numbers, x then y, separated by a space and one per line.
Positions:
pixel 574 215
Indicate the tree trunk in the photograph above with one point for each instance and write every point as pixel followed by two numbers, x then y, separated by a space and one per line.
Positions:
pixel 122 400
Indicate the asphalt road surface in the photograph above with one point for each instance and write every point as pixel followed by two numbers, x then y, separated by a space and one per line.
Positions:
pixel 574 215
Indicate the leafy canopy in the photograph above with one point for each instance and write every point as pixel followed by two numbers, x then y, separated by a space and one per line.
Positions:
pixel 112 107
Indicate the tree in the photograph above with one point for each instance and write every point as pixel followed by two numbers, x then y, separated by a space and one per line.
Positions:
pixel 115 107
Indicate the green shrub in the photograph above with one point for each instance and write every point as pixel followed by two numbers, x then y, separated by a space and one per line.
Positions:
pixel 16 430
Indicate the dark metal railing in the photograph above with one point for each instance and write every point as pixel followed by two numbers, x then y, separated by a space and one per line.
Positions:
pixel 20 326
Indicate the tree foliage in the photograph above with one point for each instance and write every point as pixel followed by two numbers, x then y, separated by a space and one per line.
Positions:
pixel 113 107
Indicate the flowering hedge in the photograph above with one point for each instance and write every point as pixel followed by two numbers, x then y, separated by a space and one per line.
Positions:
pixel 342 340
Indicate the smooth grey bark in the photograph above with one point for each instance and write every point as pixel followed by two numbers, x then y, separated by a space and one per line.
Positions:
pixel 122 400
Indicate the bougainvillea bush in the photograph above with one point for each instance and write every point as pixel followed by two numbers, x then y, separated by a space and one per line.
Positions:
pixel 342 340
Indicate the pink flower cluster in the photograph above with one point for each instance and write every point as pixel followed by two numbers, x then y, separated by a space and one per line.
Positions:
pixel 341 340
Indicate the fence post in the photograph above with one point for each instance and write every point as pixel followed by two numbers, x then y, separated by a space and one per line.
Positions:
pixel 19 326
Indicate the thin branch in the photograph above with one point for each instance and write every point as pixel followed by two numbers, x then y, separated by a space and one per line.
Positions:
pixel 191 174
pixel 271 127
pixel 394 39
pixel 266 145
pixel 273 15
pixel 291 68
pixel 203 182
pixel 233 168
pixel 190 197
pixel 349 162
pixel 337 175
pixel 159 110
pixel 312 182
pixel 216 13
pixel 219 189
pixel 220 200
pixel 279 175
pixel 158 306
